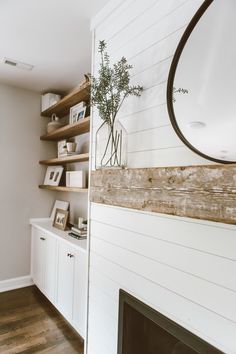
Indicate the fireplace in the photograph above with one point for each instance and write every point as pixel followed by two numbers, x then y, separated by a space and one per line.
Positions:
pixel 143 330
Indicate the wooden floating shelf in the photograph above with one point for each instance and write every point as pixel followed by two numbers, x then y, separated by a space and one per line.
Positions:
pixel 65 160
pixel 62 108
pixel 68 131
pixel 64 189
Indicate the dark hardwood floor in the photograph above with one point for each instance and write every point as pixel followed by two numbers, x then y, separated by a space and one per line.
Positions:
pixel 30 324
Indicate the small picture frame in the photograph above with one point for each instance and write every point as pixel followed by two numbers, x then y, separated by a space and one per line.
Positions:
pixel 60 219
pixel 77 112
pixel 61 148
pixel 59 204
pixel 53 175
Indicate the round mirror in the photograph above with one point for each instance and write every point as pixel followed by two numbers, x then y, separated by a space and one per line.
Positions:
pixel 201 91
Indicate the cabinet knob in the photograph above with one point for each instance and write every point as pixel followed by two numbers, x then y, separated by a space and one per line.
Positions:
pixel 70 255
pixel 42 238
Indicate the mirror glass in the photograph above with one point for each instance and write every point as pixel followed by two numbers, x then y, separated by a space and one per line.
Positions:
pixel 202 104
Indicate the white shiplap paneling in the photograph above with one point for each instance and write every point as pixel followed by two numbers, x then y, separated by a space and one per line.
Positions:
pixel 183 268
pixel 184 279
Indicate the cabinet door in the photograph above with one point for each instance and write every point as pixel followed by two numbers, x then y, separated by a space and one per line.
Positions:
pixel 50 258
pixel 80 285
pixel 65 285
pixel 38 257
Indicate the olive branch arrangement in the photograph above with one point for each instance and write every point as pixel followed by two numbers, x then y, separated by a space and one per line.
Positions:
pixel 108 93
pixel 111 87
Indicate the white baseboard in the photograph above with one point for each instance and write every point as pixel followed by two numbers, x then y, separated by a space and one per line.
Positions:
pixel 15 283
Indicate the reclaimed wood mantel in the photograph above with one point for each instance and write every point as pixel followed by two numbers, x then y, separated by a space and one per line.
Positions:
pixel 205 192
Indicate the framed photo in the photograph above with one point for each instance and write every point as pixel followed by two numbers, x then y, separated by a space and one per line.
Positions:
pixel 77 112
pixel 60 219
pixel 59 204
pixel 61 148
pixel 53 175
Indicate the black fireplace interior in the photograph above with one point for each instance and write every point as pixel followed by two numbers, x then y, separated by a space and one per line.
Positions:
pixel 143 330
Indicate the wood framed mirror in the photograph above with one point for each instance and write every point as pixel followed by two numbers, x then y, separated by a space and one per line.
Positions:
pixel 201 85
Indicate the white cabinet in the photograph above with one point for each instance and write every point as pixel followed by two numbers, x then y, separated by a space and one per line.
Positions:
pixel 58 268
pixel 50 258
pixel 71 287
pixel 37 257
pixel 44 250
pixel 65 285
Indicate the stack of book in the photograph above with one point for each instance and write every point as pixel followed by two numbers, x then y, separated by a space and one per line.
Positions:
pixel 78 233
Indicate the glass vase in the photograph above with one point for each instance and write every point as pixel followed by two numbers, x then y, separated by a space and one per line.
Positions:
pixel 111 145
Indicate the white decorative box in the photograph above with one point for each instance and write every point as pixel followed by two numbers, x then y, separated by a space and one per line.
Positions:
pixel 48 100
pixel 76 179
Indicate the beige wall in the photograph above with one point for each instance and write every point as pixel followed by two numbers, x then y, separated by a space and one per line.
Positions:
pixel 20 174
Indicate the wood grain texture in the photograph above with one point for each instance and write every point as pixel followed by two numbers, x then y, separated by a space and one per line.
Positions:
pixel 30 324
pixel 63 189
pixel 201 192
pixel 65 159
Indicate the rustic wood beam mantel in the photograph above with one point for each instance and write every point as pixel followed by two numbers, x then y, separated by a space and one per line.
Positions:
pixel 205 192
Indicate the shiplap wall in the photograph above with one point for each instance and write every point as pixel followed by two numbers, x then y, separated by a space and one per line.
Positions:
pixel 183 268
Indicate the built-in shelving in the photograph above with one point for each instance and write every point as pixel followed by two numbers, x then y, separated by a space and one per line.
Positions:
pixel 65 160
pixel 62 108
pixel 64 189
pixel 68 131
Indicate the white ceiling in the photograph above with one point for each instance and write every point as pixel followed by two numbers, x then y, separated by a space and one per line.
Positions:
pixel 52 35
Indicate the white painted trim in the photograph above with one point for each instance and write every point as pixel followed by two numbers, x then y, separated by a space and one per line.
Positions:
pixel 89 207
pixel 104 13
pixel 15 283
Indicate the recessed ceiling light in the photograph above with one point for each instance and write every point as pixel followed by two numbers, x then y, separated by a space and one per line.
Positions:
pixel 197 125
pixel 17 64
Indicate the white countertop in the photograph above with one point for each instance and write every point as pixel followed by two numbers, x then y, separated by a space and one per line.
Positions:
pixel 46 225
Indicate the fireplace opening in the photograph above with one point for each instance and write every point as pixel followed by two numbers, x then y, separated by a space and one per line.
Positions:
pixel 142 330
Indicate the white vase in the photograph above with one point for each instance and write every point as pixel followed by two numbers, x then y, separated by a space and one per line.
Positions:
pixel 54 124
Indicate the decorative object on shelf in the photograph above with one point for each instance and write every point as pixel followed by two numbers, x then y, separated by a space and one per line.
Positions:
pixel 60 219
pixel 48 100
pixel 66 148
pixel 82 223
pixel 53 175
pixel 61 148
pixel 109 91
pixel 71 146
pixel 86 80
pixel 76 179
pixel 78 237
pixel 77 112
pixel 54 124
pixel 111 145
pixel 80 230
pixel 59 204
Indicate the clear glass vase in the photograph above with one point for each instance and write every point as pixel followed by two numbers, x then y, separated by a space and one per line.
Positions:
pixel 111 146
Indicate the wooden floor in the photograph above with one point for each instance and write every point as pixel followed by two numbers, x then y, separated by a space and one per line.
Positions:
pixel 30 324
